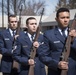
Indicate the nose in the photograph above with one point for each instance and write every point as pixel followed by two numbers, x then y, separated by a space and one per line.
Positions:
pixel 34 24
pixel 65 19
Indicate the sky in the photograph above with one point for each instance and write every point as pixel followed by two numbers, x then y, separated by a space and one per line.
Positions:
pixel 50 6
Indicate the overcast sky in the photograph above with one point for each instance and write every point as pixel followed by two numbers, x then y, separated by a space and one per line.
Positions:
pixel 50 5
pixel 50 8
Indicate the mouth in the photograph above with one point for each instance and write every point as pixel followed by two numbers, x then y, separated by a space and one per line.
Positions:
pixel 34 29
pixel 65 23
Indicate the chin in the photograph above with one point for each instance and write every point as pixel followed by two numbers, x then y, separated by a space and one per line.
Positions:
pixel 65 25
pixel 34 30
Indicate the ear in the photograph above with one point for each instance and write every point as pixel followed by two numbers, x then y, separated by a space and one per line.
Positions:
pixel 56 19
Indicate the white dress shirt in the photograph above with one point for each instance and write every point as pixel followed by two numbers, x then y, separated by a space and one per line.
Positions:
pixel 11 32
pixel 29 35
pixel 66 31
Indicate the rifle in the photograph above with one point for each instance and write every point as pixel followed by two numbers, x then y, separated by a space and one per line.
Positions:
pixel 15 64
pixel 66 51
pixel 33 49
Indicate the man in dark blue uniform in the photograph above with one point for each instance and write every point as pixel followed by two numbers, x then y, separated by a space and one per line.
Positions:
pixel 6 43
pixel 54 40
pixel 24 45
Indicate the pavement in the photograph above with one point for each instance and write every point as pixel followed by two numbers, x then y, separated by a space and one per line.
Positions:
pixel 0 73
pixel 0 62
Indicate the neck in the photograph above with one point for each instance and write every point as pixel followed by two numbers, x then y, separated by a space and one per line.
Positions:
pixel 62 28
pixel 32 33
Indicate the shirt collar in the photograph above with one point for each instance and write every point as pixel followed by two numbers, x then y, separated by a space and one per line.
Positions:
pixel 66 31
pixel 29 35
pixel 10 30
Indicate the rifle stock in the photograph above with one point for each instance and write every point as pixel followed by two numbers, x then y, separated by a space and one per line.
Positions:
pixel 66 51
pixel 33 49
pixel 31 70
pixel 15 63
pixel 64 72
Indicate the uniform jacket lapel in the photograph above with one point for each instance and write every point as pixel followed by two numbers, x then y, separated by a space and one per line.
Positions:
pixel 9 35
pixel 28 39
pixel 59 36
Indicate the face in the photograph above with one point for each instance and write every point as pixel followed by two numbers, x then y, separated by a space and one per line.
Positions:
pixel 63 19
pixel 13 23
pixel 32 26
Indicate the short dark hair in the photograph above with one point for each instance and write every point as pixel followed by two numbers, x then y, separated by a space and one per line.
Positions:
pixel 30 18
pixel 61 10
pixel 12 15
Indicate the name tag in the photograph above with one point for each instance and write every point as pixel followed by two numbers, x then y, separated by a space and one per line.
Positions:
pixel 56 41
pixel 7 39
pixel 25 46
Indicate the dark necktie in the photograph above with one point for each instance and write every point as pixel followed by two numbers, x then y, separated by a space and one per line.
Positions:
pixel 32 38
pixel 63 33
pixel 13 32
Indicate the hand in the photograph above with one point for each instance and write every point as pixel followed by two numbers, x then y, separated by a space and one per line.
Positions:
pixel 63 65
pixel 16 36
pixel 36 44
pixel 31 62
pixel 72 33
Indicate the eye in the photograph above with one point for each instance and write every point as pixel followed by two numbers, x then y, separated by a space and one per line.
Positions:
pixel 35 23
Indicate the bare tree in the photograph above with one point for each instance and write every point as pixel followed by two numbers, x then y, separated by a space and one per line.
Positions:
pixel 14 6
pixel 30 7
pixel 61 3
pixel 72 4
pixel 33 8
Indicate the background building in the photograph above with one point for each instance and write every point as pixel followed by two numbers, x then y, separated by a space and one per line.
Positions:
pixel 48 22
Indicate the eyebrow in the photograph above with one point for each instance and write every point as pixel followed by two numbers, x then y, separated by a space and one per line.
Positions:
pixel 13 21
pixel 33 23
